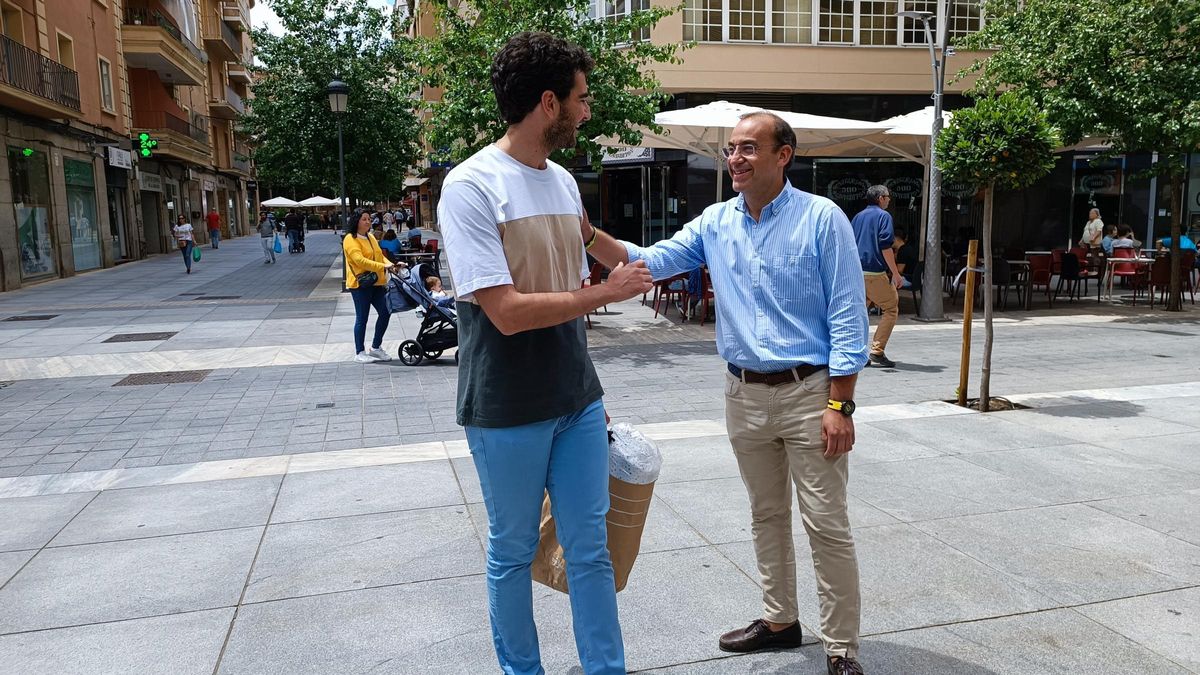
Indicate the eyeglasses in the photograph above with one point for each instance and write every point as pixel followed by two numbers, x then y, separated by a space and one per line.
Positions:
pixel 747 150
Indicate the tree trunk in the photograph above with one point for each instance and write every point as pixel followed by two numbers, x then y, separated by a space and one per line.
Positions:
pixel 985 378
pixel 1174 288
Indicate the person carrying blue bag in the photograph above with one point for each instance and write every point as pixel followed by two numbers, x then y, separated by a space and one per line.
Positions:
pixel 266 230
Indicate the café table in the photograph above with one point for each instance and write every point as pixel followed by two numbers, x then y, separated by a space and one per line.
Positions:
pixel 1108 273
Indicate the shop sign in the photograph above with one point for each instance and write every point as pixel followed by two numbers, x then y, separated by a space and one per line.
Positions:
pixel 209 186
pixel 628 156
pixel 848 189
pixel 904 187
pixel 122 159
pixel 151 182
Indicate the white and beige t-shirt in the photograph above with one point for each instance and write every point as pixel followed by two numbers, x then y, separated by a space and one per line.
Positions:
pixel 507 223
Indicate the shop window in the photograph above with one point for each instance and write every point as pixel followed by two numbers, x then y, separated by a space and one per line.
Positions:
pixel 81 214
pixel 30 178
pixel 748 20
pixel 702 21
pixel 66 50
pixel 791 22
pixel 106 85
pixel 837 22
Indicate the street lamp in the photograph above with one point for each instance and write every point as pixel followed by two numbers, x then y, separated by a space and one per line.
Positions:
pixel 338 92
pixel 931 281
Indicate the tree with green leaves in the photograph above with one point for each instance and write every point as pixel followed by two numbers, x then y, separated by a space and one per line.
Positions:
pixel 1004 142
pixel 289 115
pixel 1122 69
pixel 467 35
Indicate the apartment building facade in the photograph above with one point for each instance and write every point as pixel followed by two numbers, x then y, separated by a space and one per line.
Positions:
pixel 842 58
pixel 80 81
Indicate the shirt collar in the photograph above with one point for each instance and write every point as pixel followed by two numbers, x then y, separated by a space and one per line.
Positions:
pixel 770 209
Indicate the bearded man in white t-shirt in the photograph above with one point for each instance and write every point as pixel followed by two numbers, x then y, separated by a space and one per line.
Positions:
pixel 528 396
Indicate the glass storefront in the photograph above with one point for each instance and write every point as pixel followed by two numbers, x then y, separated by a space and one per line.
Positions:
pixel 30 177
pixel 81 214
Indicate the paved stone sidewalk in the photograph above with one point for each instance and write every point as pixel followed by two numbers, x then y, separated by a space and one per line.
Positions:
pixel 1060 539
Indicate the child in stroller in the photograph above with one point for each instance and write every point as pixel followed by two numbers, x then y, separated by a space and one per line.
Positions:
pixel 439 323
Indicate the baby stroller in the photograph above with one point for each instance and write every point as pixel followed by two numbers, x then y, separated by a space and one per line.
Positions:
pixel 296 245
pixel 439 326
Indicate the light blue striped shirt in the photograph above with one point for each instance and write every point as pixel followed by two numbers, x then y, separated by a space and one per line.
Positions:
pixel 789 287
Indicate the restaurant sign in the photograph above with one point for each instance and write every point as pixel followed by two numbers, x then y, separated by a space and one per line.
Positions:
pixel 628 156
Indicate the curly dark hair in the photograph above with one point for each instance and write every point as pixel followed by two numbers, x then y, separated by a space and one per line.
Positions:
pixel 531 63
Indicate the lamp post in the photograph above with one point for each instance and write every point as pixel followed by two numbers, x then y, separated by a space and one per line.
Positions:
pixel 931 281
pixel 338 92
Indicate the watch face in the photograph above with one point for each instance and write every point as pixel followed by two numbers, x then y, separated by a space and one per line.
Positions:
pixel 848 408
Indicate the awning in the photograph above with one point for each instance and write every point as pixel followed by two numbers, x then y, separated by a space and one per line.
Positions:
pixel 415 182
pixel 280 202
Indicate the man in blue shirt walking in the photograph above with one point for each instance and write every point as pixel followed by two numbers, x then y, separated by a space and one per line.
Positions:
pixel 873 234
pixel 792 326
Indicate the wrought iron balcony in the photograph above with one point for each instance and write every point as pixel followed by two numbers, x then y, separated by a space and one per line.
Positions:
pixel 23 69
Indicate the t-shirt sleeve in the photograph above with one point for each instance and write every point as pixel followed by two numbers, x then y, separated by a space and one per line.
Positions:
pixel 474 250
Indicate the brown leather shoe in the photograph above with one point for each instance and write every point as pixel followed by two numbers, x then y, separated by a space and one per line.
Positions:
pixel 843 665
pixel 758 635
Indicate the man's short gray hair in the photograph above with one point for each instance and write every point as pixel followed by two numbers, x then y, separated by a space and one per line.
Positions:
pixel 875 193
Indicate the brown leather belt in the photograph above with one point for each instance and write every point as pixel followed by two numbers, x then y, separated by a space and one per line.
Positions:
pixel 796 374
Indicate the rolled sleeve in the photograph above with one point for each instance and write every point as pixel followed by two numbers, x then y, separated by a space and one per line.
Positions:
pixel 842 279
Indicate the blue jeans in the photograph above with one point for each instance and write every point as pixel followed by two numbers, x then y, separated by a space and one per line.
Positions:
pixel 568 456
pixel 215 235
pixel 187 254
pixel 364 299
pixel 293 238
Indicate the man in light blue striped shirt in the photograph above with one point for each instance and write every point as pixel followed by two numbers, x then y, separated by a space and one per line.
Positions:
pixel 792 325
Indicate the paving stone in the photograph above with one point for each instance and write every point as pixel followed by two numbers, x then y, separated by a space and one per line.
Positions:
pixel 1171 514
pixel 1166 623
pixel 172 509
pixel 375 489
pixel 338 554
pixel 30 522
pixel 12 561
pixel 1073 553
pixel 90 583
pixel 179 644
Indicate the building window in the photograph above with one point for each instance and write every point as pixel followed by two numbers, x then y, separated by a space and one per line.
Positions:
pixel 791 22
pixel 616 9
pixel 877 22
pixel 702 21
pixel 66 50
pixel 12 23
pixel 966 17
pixel 837 22
pixel 748 20
pixel 914 31
pixel 106 86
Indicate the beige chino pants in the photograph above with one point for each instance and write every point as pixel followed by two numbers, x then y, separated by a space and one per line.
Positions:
pixel 776 437
pixel 882 292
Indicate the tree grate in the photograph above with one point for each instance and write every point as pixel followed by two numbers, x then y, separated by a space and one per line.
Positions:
pixel 142 337
pixel 174 377
pixel 31 317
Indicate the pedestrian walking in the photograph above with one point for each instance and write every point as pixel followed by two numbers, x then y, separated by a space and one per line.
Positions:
pixel 793 327
pixel 214 227
pixel 521 309
pixel 874 235
pixel 364 260
pixel 266 232
pixel 293 226
pixel 185 239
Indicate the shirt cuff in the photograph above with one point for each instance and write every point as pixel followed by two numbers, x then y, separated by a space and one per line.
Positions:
pixel 633 252
pixel 847 364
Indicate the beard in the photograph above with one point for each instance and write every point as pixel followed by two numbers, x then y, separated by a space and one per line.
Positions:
pixel 562 134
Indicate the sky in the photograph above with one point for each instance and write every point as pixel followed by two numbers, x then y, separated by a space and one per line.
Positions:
pixel 261 14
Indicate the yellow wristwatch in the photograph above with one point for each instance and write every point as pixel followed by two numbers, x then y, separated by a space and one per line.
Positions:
pixel 844 407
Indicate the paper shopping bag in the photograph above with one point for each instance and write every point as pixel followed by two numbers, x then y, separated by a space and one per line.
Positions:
pixel 629 505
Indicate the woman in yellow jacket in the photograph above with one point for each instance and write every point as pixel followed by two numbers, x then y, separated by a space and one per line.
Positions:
pixel 362 254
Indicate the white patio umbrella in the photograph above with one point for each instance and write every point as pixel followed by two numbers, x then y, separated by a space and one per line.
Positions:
pixel 319 201
pixel 280 202
pixel 705 130
pixel 906 136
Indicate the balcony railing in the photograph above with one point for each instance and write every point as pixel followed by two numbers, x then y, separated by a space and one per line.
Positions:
pixel 27 70
pixel 241 164
pixel 162 119
pixel 231 37
pixel 235 100
pixel 145 16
